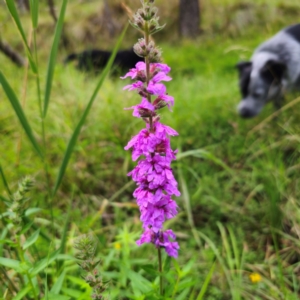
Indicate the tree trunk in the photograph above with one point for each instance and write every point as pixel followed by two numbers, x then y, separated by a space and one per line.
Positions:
pixel 189 18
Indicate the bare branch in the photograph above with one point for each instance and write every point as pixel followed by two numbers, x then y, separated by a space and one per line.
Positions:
pixel 13 55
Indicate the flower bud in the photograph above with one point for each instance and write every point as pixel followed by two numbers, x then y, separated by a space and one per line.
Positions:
pixel 146 113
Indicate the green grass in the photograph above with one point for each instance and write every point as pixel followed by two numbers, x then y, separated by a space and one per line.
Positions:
pixel 239 210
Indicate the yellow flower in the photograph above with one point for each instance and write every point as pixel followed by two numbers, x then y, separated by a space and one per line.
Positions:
pixel 255 277
pixel 117 246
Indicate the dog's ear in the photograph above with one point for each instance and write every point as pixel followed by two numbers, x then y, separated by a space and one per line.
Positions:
pixel 273 70
pixel 244 69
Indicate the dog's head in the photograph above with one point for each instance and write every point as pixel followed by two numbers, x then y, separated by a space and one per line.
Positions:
pixel 260 81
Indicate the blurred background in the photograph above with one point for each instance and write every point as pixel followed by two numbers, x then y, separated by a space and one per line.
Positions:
pixel 239 178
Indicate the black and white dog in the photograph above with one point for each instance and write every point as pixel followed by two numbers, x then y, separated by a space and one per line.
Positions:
pixel 95 60
pixel 274 69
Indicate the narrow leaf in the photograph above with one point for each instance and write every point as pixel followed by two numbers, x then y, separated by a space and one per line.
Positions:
pixel 52 296
pixel 14 13
pixel 77 130
pixel 139 282
pixel 23 293
pixel 206 282
pixel 4 180
pixel 34 11
pixel 26 227
pixel 58 284
pixel 19 112
pixel 31 240
pixel 53 54
pixel 4 200
pixel 32 210
pixel 204 154
pixel 10 263
pixel 42 264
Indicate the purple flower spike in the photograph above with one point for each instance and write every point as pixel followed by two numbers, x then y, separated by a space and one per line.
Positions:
pixel 133 73
pixel 153 174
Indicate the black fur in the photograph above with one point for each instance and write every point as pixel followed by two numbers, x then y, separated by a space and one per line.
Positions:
pixel 95 60
pixel 294 31
pixel 244 69
pixel 273 71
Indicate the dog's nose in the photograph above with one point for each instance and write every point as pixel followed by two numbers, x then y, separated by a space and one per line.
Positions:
pixel 245 112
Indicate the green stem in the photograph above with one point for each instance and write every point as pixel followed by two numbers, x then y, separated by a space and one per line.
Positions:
pixel 38 84
pixel 21 255
pixel 160 271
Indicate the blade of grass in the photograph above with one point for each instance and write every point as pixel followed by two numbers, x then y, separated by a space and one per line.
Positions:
pixel 4 181
pixel 19 112
pixel 187 202
pixel 23 293
pixel 226 245
pixel 206 282
pixel 53 55
pixel 201 153
pixel 219 257
pixel 58 283
pixel 34 11
pixel 77 130
pixel 14 13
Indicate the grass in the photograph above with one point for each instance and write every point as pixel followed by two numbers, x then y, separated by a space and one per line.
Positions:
pixel 239 209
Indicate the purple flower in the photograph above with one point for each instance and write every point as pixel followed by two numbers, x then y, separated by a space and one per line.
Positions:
pixel 135 86
pixel 163 100
pixel 144 109
pixel 133 73
pixel 153 173
pixel 160 239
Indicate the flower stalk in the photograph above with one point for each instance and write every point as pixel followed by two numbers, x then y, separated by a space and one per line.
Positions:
pixel 86 247
pixel 151 146
pixel 17 211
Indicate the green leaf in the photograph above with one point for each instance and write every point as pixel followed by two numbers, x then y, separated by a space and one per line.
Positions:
pixel 139 282
pixel 7 241
pixel 34 11
pixel 14 13
pixel 31 240
pixel 32 210
pixel 23 293
pixel 206 282
pixel 19 112
pixel 150 270
pixel 201 153
pixel 77 130
pixel 10 263
pixel 53 54
pixel 7 201
pixel 4 181
pixel 52 296
pixel 42 264
pixel 71 292
pixel 26 227
pixel 58 284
